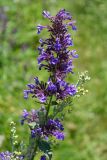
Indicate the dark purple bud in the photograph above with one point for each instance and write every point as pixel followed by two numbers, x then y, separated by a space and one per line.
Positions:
pixel 36 80
pixel 33 133
pixel 22 121
pixel 43 157
pixel 31 86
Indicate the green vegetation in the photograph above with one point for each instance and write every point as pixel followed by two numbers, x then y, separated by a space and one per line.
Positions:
pixel 86 127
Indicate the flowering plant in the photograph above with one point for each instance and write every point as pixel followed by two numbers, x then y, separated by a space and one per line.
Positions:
pixel 55 96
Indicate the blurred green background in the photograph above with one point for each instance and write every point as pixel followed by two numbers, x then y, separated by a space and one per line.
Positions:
pixel 86 126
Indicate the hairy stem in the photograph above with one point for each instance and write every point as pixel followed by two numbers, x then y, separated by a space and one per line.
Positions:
pixel 32 149
pixel 48 108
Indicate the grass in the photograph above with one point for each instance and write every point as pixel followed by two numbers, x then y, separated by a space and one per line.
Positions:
pixel 86 137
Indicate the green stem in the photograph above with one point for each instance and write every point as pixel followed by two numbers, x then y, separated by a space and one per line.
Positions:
pixel 48 108
pixel 32 149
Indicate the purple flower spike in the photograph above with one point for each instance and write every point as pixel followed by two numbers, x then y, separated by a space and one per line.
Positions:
pixel 55 57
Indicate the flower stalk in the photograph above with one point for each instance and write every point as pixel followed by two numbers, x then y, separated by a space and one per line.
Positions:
pixel 32 149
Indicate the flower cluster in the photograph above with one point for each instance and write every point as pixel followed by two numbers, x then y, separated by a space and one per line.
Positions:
pixel 10 156
pixel 56 57
pixel 42 90
pixel 39 128
pixel 4 155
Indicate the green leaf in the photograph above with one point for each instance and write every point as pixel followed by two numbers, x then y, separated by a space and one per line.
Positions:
pixel 54 103
pixel 44 146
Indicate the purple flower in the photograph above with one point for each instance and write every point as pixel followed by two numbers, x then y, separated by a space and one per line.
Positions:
pixel 59 125
pixel 25 113
pixel 40 49
pixel 64 90
pixel 52 88
pixel 63 15
pixel 42 57
pixel 57 45
pixel 71 90
pixel 37 90
pixel 46 14
pixel 67 40
pixel 53 60
pixel 30 117
pixel 43 157
pixel 5 155
pixel 54 127
pixel 26 93
pixel 72 25
pixel 8 156
pixel 40 28
pixel 36 132
pixel 72 53
pixel 31 86
pixel 59 135
pixel 40 95
pixel 36 80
